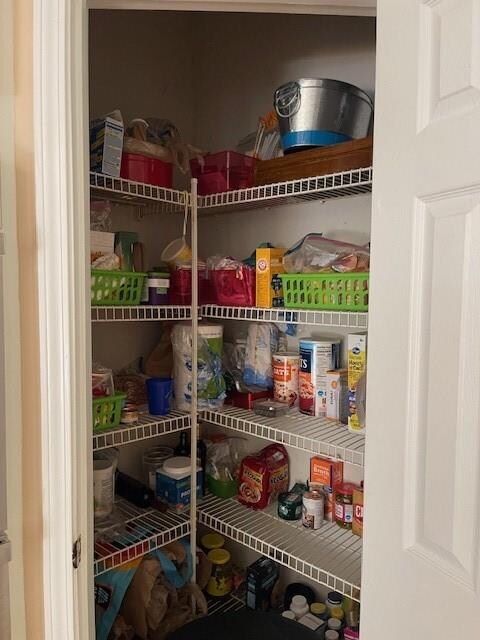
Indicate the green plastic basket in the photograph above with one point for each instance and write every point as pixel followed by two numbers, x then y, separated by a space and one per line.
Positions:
pixel 328 291
pixel 107 411
pixel 116 288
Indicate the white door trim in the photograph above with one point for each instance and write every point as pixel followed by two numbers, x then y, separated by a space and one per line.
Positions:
pixel 60 122
pixel 326 7
pixel 60 111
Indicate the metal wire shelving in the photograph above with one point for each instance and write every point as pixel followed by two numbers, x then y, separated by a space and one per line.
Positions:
pixel 145 531
pixel 138 193
pixel 350 320
pixel 334 185
pixel 315 435
pixel 330 556
pixel 147 427
pixel 142 313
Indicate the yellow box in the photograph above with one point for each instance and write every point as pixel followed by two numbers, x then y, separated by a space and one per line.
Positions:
pixel 269 291
pixel 357 367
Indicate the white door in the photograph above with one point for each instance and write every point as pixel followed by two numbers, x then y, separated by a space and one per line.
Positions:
pixel 422 522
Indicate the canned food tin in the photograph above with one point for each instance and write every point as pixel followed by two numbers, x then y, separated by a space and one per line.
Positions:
pixel 285 378
pixel 290 505
pixel 312 510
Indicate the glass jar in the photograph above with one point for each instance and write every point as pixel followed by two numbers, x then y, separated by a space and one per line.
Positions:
pixel 221 578
pixel 344 505
pixel 212 541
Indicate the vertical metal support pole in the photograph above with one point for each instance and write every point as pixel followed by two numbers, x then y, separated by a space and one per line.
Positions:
pixel 194 407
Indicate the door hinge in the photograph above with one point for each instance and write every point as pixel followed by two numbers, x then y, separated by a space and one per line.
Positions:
pixel 77 552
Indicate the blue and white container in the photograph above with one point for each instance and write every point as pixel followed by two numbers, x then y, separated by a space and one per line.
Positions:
pixel 173 482
pixel 316 358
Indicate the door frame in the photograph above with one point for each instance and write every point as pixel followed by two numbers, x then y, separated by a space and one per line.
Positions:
pixel 61 172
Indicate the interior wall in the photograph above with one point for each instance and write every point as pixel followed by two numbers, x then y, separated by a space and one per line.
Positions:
pixel 242 58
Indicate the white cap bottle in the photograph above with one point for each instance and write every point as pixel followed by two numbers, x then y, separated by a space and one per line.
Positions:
pixel 299 606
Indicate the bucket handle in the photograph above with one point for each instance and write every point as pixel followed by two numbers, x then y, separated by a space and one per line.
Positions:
pixel 287 100
pixel 185 218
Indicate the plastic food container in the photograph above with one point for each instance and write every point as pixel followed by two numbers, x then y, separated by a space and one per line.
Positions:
pixel 223 171
pixel 158 283
pixel 152 460
pixel 173 482
pixel 221 581
pixel 234 287
pixel 148 170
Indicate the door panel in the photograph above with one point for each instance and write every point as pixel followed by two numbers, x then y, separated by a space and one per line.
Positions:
pixel 422 517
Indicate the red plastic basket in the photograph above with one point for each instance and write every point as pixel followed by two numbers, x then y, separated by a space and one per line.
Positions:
pixel 234 288
pixel 223 171
pixel 148 170
pixel 180 291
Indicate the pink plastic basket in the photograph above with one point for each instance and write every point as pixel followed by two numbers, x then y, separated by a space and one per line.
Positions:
pixel 223 171
pixel 234 288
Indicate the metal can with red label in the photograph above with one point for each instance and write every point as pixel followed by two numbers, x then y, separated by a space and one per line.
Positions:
pixel 357 524
pixel 285 378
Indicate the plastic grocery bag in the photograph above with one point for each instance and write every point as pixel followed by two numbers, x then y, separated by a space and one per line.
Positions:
pixel 111 587
pixel 210 381
pixel 315 254
pixel 262 343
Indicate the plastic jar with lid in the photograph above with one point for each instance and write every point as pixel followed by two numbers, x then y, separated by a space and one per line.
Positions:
pixel 334 624
pixel 221 580
pixel 319 610
pixel 152 460
pixel 337 612
pixel 212 541
pixel 299 606
pixel 331 635
pixel 289 615
pixel 334 599
pixel 344 505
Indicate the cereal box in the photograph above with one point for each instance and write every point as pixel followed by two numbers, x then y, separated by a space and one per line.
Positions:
pixel 316 358
pixel 337 395
pixel 357 367
pixel 269 263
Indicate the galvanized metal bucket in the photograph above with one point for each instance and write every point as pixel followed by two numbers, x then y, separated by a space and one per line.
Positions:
pixel 316 112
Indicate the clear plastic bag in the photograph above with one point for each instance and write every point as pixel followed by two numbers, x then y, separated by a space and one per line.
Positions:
pixel 102 381
pixel 315 254
pixel 100 215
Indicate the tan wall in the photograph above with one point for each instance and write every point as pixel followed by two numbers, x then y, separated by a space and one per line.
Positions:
pixel 31 458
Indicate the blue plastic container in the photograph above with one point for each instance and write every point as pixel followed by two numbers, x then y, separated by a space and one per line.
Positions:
pixel 159 391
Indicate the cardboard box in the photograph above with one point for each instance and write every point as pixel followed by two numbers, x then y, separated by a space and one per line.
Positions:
pixel 357 367
pixel 106 146
pixel 337 395
pixel 269 291
pixel 102 243
pixel 326 472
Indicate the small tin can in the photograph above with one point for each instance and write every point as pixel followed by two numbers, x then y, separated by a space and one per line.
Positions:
pixel 285 378
pixel 129 414
pixel 290 505
pixel 313 509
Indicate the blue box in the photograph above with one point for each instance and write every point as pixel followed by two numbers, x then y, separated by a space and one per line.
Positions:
pixel 176 491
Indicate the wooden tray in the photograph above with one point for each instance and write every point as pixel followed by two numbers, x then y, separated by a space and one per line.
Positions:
pixel 355 154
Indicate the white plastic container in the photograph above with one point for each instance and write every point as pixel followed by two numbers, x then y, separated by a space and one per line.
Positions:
pixel 299 606
pixel 289 615
pixel 334 624
pixel 331 635
pixel 103 487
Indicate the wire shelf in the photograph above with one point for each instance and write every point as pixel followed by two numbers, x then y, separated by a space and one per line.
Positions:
pixel 146 530
pixel 330 556
pixel 135 193
pixel 140 313
pixel 228 604
pixel 148 427
pixel 334 185
pixel 315 435
pixel 358 320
